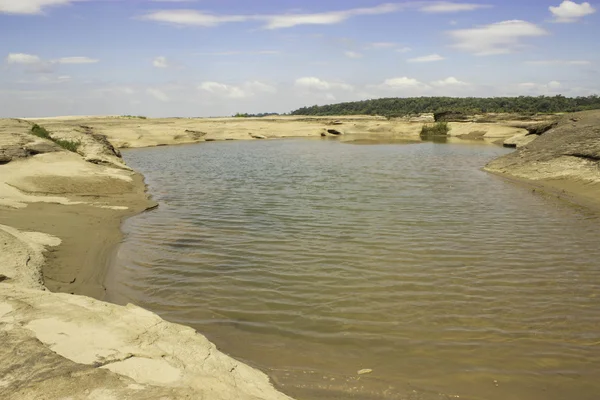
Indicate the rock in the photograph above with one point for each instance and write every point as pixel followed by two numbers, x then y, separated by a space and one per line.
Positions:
pixel 364 371
pixel 257 136
pixel 450 116
pixel 9 153
pixel 5 159
pixel 41 147
pixel 334 132
pixel 519 140
pixel 541 128
pixel 565 151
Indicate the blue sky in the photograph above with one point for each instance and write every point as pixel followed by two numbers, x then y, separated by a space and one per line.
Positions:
pixel 219 57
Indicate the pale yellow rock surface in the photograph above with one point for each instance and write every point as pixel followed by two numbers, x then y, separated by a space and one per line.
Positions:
pixel 488 130
pixel 137 132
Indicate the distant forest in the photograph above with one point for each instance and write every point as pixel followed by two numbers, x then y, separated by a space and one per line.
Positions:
pixel 399 107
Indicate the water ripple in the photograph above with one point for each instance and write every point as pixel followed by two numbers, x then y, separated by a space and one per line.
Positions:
pixel 314 259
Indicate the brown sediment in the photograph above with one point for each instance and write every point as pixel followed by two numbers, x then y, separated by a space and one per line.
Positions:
pixel 89 233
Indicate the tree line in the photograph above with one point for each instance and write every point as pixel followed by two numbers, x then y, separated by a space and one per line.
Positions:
pixel 399 107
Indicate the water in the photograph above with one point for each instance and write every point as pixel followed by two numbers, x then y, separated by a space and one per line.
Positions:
pixel 314 259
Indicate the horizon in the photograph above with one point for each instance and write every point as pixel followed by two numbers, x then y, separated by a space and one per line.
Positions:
pixel 187 58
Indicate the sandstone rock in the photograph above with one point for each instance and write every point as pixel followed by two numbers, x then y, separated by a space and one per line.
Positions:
pixel 257 136
pixel 569 150
pixel 519 140
pixel 41 147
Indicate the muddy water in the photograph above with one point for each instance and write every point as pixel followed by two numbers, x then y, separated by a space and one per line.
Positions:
pixel 314 259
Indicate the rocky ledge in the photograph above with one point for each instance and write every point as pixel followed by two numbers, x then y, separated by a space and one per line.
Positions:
pixel 571 149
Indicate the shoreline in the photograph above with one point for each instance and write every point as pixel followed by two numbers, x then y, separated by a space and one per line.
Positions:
pixel 60 222
pixel 80 215
pixel 577 193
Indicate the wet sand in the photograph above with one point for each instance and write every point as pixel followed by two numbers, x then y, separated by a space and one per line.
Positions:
pixel 89 235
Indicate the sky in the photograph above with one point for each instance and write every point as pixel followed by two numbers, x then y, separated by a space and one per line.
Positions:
pixel 200 58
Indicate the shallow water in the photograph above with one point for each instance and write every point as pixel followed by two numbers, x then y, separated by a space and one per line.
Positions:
pixel 314 259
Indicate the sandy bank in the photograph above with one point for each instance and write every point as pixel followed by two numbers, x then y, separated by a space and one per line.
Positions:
pixel 59 222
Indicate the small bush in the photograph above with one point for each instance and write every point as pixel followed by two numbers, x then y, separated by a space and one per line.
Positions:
pixel 68 144
pixel 40 132
pixel 43 133
pixel 437 129
pixel 134 116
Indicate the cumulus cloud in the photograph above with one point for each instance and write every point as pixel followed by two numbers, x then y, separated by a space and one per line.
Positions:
pixel 157 94
pixel 569 11
pixel 449 7
pixel 498 38
pixel 313 83
pixel 403 82
pixel 76 60
pixel 30 6
pixel 424 59
pixel 22 58
pixel 160 62
pixel 448 82
pixel 248 89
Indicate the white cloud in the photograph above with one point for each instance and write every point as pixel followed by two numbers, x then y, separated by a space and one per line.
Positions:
pixel 403 49
pixel 76 60
pixel 248 89
pixel 327 18
pixel 450 81
pixel 199 18
pixel 160 62
pixel 402 83
pixel 353 54
pixel 558 62
pixel 30 6
pixel 569 11
pixel 193 18
pixel 313 83
pixel 448 7
pixel 158 94
pixel 429 58
pixel 499 38
pixel 22 58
